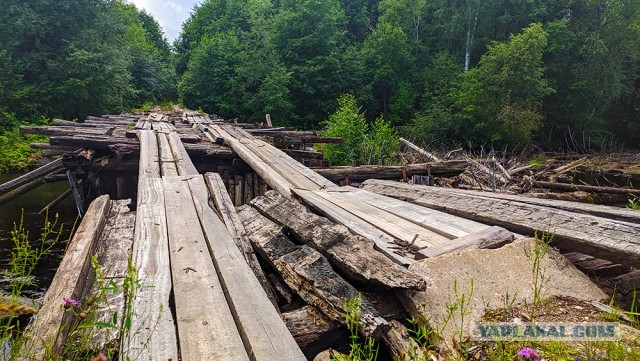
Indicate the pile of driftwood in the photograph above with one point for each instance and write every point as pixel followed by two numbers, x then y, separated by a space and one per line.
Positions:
pixel 594 178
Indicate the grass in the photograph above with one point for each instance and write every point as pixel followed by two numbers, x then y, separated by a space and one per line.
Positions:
pixel 634 203
pixel 361 349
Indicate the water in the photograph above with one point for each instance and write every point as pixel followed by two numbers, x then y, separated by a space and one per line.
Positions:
pixel 31 203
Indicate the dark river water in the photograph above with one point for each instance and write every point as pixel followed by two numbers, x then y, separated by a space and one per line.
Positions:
pixel 31 203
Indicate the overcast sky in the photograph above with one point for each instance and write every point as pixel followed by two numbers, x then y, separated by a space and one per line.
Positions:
pixel 170 14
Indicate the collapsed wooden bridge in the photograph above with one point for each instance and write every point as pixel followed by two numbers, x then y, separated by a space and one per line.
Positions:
pixel 268 280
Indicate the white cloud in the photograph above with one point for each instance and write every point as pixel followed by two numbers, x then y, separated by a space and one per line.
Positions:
pixel 170 14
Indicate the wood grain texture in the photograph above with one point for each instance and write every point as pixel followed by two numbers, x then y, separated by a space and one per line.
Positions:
pixel 352 254
pixel 308 273
pixel 210 334
pixel 616 241
pixel 265 335
pixel 489 238
pixel 153 333
pixel 50 326
pixel 149 155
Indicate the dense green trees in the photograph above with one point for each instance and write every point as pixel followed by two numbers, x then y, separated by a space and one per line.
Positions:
pixel 75 58
pixel 446 71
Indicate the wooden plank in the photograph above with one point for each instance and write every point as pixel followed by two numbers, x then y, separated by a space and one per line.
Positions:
pixel 202 335
pixel 491 237
pixel 353 255
pixel 49 168
pixel 308 273
pixel 232 221
pixel 50 326
pixel 311 329
pixel 168 164
pixel 149 155
pixel 417 236
pixel 275 180
pixel 439 222
pixel 26 188
pixel 112 253
pixel 384 242
pixel 153 333
pixel 238 192
pixel 616 241
pixel 265 335
pixel 183 162
pixel 248 188
pixel 358 174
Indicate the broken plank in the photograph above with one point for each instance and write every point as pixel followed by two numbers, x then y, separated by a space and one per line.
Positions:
pixel 265 335
pixel 51 325
pixel 308 273
pixel 384 242
pixel 196 287
pixel 352 254
pixel 491 237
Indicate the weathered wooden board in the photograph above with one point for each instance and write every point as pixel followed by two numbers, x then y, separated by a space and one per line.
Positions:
pixel 384 242
pixel 149 155
pixel 308 273
pixel 361 173
pixel 168 165
pixel 112 252
pixel 202 335
pixel 50 326
pixel 153 333
pixel 49 168
pixel 616 241
pixel 234 225
pixel 183 162
pixel 352 254
pixel 491 237
pixel 265 335
pixel 311 329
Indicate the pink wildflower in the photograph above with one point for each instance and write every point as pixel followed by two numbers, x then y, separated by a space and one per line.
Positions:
pixel 529 354
pixel 70 302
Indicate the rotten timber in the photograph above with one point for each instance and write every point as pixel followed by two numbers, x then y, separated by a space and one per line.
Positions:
pixel 616 241
pixel 353 255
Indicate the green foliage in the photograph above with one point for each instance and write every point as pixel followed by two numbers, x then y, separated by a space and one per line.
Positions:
pixel 634 204
pixel 363 143
pixel 365 350
pixel 17 155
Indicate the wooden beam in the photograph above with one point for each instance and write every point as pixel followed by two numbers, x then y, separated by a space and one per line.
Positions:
pixel 359 174
pixel 491 237
pixel 353 255
pixel 46 169
pixel 153 332
pixel 232 221
pixel 265 335
pixel 202 335
pixel 51 325
pixel 149 155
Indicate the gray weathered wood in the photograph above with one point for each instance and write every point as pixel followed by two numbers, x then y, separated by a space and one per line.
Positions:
pixel 311 329
pixel 168 164
pixel 384 242
pixel 51 325
pixel 265 335
pixel 49 168
pixel 112 252
pixel 616 241
pixel 358 174
pixel 308 273
pixel 183 162
pixel 352 254
pixel 149 155
pixel 491 237
pixel 196 287
pixel 234 225
pixel 153 333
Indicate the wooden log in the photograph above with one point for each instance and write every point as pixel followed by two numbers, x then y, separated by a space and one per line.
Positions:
pixel 594 266
pixel 400 345
pixel 51 325
pixel 26 188
pixel 149 155
pixel 275 180
pixel 353 255
pixel 49 168
pixel 616 241
pixel 112 252
pixel 308 273
pixel 384 242
pixel 265 335
pixel 61 122
pixel 419 150
pixel 585 188
pixel 311 329
pixel 234 225
pixel 196 287
pixel 153 333
pixel 491 237
pixel 358 174
pixel 248 188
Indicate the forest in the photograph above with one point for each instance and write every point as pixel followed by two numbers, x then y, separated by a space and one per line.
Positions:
pixel 560 74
